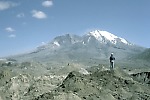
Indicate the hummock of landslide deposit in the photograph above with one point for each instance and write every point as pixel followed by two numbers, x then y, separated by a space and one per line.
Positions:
pixel 99 85
pixel 92 83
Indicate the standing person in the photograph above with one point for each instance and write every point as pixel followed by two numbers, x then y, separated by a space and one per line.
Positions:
pixel 112 59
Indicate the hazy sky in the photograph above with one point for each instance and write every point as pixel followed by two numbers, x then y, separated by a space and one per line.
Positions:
pixel 26 24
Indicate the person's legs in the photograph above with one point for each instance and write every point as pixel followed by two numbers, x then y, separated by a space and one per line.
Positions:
pixel 111 65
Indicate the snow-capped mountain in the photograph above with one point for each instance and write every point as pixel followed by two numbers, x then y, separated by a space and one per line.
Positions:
pixel 95 44
pixel 103 40
pixel 101 37
pixel 96 37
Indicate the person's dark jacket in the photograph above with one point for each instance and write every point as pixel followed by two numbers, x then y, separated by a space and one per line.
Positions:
pixel 112 58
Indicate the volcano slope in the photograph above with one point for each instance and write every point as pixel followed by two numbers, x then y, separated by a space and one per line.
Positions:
pixel 99 85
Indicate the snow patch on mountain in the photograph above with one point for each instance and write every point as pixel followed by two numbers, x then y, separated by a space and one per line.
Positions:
pixel 124 41
pixel 102 36
pixel 56 43
pixel 98 34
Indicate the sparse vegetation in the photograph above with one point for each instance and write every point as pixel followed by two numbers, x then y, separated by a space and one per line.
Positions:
pixel 98 84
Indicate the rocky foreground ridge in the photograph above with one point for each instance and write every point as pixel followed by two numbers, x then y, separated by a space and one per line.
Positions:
pixel 98 83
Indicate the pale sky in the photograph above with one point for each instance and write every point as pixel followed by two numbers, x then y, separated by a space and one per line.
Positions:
pixel 26 24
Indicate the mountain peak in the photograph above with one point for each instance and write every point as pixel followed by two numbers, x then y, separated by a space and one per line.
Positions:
pixel 98 33
pixel 104 35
